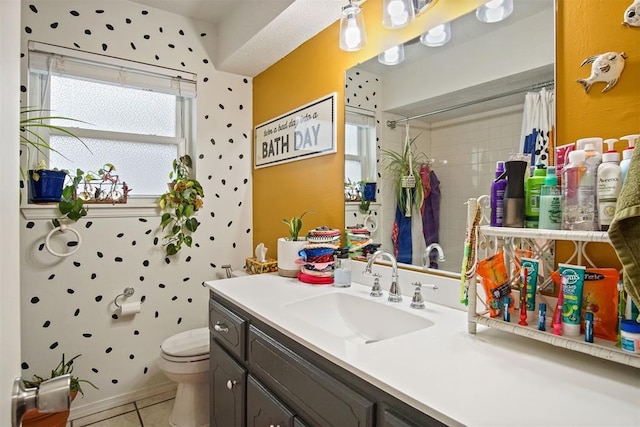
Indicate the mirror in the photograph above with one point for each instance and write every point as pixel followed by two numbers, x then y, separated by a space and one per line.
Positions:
pixel 471 92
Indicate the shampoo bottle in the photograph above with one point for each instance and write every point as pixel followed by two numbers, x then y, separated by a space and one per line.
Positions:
pixel 609 185
pixel 497 195
pixel 532 196
pixel 627 154
pixel 550 202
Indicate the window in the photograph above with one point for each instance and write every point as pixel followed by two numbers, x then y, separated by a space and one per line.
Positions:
pixel 360 147
pixel 135 116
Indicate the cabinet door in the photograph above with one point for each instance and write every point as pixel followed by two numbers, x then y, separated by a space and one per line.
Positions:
pixel 228 393
pixel 264 409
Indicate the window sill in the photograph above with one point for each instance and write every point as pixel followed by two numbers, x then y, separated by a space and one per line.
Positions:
pixel 142 208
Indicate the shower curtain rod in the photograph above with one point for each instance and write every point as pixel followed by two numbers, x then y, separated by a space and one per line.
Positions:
pixel 392 123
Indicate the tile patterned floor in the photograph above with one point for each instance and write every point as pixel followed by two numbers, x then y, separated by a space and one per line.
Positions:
pixel 151 412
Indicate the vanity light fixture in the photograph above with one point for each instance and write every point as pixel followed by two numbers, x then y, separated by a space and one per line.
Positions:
pixel 437 36
pixel 494 11
pixel 352 33
pixel 392 56
pixel 397 13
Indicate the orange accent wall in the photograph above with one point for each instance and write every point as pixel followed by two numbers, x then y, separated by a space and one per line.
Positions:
pixel 586 28
pixel 311 71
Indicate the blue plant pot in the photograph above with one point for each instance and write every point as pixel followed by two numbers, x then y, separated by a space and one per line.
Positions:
pixel 48 188
pixel 370 191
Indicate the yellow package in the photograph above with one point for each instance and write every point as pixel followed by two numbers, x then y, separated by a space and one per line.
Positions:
pixel 495 281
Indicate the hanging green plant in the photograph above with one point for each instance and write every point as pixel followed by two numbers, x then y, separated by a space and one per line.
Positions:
pixel 179 205
pixel 404 168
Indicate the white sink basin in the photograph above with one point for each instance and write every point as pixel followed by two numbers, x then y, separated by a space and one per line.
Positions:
pixel 357 319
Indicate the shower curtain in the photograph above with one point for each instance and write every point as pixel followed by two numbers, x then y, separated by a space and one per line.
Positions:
pixel 537 126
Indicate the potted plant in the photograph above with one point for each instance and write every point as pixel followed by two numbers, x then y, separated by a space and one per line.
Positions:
pixel 288 247
pixel 179 204
pixel 34 418
pixel 404 169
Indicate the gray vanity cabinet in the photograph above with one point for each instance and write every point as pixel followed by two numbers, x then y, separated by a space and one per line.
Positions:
pixel 264 409
pixel 261 377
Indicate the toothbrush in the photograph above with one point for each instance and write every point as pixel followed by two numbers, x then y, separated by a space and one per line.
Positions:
pixel 523 298
pixel 557 314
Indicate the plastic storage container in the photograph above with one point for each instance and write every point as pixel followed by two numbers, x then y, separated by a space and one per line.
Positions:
pixel 630 336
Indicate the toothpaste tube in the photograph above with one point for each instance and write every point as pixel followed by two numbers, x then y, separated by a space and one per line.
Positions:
pixel 532 266
pixel 572 293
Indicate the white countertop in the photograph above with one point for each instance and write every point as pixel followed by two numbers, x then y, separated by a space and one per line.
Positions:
pixel 492 378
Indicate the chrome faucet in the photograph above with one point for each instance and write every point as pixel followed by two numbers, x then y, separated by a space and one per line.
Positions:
pixel 394 290
pixel 427 252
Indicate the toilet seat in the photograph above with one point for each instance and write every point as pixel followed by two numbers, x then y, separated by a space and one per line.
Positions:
pixel 188 346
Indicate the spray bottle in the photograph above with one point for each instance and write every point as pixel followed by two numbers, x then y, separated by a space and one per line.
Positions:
pixel 609 184
pixel 627 153
pixel 498 187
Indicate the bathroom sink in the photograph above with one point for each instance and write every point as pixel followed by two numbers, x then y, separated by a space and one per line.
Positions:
pixel 355 318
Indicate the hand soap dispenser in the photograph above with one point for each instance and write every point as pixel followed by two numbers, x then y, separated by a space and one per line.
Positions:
pixel 514 194
pixel 627 154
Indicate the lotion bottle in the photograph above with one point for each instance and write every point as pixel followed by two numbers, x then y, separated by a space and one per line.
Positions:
pixel 497 195
pixel 609 184
pixel 627 154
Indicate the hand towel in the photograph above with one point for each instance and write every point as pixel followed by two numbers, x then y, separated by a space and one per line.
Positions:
pixel 624 231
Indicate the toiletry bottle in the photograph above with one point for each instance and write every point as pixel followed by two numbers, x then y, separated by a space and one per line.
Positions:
pixel 342 268
pixel 514 193
pixel 533 188
pixel 588 326
pixel 609 185
pixel 497 195
pixel 588 185
pixel 627 154
pixel 550 202
pixel 572 215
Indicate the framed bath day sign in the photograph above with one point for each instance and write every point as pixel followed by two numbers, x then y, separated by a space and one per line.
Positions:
pixel 308 131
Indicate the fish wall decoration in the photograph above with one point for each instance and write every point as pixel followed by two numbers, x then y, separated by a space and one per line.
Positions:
pixel 632 15
pixel 606 68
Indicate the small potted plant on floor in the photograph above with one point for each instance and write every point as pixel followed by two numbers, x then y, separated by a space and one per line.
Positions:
pixel 179 205
pixel 34 418
pixel 288 247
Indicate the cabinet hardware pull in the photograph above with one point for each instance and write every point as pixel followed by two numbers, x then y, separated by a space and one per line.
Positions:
pixel 231 383
pixel 220 327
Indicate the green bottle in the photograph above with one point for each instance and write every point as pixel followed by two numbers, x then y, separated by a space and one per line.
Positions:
pixel 533 188
pixel 550 202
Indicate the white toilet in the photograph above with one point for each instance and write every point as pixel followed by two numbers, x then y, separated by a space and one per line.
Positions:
pixel 185 359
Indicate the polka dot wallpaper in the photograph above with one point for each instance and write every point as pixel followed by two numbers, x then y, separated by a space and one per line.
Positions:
pixel 67 303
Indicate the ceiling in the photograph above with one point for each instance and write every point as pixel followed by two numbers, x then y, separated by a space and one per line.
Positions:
pixel 252 35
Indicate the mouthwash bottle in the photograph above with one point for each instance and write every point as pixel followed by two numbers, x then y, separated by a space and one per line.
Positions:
pixel 550 202
pixel 532 196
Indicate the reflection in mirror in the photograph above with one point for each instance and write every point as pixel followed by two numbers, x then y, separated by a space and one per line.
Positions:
pixel 470 96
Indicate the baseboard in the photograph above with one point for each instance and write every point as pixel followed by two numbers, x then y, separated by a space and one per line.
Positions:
pixel 119 400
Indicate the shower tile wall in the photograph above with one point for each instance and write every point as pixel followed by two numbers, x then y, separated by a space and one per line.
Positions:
pixel 67 303
pixel 465 152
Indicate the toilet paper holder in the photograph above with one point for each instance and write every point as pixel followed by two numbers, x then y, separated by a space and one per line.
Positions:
pixel 128 291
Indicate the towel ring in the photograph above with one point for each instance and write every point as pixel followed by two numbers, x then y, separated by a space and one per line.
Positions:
pixel 62 228
pixel 128 291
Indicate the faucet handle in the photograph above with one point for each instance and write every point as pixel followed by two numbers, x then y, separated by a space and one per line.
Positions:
pixel 417 301
pixel 376 290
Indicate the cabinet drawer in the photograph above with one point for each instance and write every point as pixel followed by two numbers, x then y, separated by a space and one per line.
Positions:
pixel 318 397
pixel 228 328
